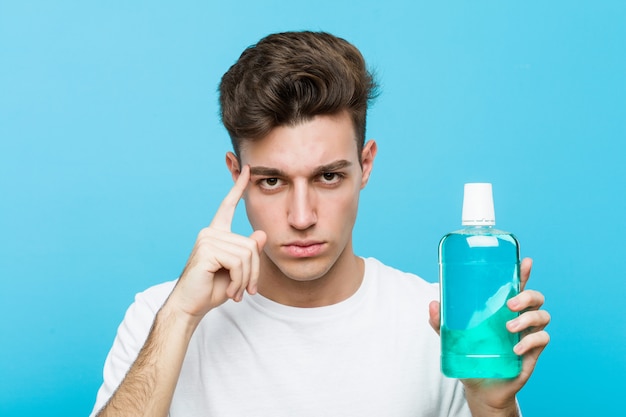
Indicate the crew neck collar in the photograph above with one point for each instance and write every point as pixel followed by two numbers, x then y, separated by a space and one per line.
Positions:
pixel 271 307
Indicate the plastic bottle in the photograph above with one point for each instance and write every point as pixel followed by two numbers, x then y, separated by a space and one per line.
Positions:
pixel 478 273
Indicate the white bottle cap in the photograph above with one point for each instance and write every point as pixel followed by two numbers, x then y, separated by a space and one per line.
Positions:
pixel 478 205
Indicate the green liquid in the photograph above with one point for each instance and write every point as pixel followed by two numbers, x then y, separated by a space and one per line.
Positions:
pixel 478 275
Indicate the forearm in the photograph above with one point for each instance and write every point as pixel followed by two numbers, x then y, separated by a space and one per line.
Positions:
pixel 148 387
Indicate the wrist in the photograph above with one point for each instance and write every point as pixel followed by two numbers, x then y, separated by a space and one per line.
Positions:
pixel 183 306
pixel 481 408
pixel 177 319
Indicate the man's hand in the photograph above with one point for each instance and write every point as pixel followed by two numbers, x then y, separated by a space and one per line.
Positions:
pixel 491 396
pixel 222 264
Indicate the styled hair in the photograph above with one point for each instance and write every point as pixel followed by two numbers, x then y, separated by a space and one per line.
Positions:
pixel 289 78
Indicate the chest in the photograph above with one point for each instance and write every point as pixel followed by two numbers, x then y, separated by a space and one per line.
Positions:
pixel 362 365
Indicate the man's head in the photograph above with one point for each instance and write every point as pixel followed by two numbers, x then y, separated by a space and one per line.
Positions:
pixel 295 106
pixel 289 78
pixel 303 193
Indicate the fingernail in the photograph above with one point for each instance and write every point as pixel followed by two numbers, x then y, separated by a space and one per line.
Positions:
pixel 513 303
pixel 519 348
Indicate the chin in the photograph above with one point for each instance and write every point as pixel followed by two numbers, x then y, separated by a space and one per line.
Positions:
pixel 308 270
pixel 303 269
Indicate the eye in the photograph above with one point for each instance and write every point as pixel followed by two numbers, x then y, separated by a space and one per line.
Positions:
pixel 269 183
pixel 331 178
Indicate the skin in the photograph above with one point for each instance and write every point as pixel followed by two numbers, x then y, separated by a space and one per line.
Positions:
pixel 221 266
pixel 301 187
pixel 304 195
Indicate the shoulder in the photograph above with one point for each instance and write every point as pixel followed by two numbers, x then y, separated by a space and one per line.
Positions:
pixel 156 295
pixel 392 279
pixel 147 303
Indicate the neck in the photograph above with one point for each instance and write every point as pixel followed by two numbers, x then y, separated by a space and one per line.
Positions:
pixel 336 284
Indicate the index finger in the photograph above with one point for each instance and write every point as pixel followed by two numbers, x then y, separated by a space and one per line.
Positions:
pixel 226 211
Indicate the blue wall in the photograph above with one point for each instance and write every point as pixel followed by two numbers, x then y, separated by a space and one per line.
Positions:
pixel 111 160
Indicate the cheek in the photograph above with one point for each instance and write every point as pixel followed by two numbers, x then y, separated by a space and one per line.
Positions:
pixel 342 208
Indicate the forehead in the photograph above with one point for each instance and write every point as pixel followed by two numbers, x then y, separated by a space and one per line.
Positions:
pixel 309 144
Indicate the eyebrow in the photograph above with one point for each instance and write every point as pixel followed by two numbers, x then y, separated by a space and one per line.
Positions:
pixel 274 172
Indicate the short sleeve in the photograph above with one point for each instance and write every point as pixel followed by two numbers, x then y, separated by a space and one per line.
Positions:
pixel 131 336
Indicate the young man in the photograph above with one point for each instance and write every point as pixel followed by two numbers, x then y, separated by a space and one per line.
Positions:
pixel 320 331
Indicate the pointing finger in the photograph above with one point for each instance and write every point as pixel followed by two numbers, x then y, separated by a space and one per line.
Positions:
pixel 224 217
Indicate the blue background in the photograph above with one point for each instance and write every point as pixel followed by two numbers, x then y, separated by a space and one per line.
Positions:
pixel 112 159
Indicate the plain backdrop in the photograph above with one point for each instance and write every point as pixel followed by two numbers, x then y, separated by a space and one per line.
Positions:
pixel 112 159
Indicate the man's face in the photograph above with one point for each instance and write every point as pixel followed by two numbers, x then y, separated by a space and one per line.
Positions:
pixel 304 193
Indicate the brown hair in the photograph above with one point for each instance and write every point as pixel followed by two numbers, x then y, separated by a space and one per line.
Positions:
pixel 288 78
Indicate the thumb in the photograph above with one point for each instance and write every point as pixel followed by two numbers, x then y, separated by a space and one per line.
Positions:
pixel 434 315
pixel 260 237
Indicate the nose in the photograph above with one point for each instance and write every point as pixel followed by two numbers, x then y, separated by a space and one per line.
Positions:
pixel 301 210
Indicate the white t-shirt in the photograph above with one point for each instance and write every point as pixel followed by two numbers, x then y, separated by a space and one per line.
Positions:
pixel 373 354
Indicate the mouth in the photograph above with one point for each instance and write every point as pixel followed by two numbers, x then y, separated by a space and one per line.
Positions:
pixel 304 249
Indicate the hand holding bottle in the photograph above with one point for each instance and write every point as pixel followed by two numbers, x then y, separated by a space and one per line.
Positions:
pixel 492 329
pixel 497 394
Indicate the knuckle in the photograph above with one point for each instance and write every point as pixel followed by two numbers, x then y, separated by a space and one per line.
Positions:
pixel 203 248
pixel 542 338
pixel 533 295
pixel 532 298
pixel 249 254
pixel 524 298
pixel 204 233
pixel 547 337
pixel 250 245
pixel 237 267
pixel 540 297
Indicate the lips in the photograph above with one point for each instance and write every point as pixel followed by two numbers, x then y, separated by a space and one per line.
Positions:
pixel 304 249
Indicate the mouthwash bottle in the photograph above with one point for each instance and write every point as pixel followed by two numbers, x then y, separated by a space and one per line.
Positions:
pixel 478 273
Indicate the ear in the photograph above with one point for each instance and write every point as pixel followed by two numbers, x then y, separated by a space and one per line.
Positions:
pixel 367 161
pixel 232 163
